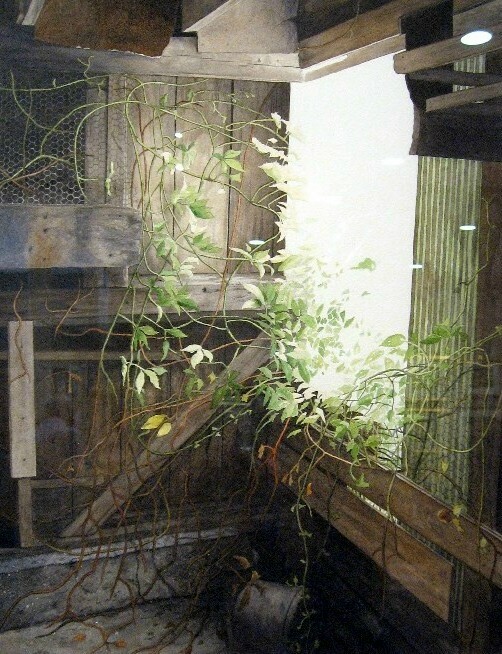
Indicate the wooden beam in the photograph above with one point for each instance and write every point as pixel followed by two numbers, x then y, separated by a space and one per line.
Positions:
pixel 419 569
pixel 249 26
pixel 50 306
pixel 458 77
pixel 186 424
pixel 481 16
pixel 25 513
pixel 364 30
pixel 445 52
pixel 21 393
pixel 73 236
pixel 464 97
pixel 428 516
pixel 355 57
pixel 18 47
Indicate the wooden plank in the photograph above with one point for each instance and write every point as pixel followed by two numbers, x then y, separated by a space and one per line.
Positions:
pixel 73 236
pixel 17 45
pixel 142 26
pixel 186 424
pixel 50 306
pixel 25 513
pixel 23 462
pixel 355 57
pixel 364 30
pixel 32 13
pixel 427 515
pixel 198 13
pixel 249 26
pixel 478 17
pixel 464 97
pixel 444 52
pixel 420 570
pixel 458 77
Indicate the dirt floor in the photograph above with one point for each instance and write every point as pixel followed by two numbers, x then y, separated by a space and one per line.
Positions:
pixel 156 628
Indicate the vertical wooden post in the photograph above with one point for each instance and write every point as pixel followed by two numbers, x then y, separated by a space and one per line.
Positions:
pixel 22 421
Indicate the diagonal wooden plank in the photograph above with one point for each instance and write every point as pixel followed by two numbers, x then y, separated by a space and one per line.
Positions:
pixel 464 97
pixel 445 52
pixel 187 423
pixel 420 570
pixel 428 516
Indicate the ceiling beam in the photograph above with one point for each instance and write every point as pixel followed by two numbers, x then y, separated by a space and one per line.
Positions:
pixel 458 77
pixel 444 52
pixel 363 31
pixel 464 97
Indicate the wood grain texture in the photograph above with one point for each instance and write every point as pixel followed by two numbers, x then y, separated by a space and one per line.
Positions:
pixel 17 45
pixel 187 423
pixel 23 461
pixel 427 515
pixel 364 30
pixel 73 236
pixel 464 97
pixel 25 513
pixel 444 52
pixel 420 570
pixel 50 306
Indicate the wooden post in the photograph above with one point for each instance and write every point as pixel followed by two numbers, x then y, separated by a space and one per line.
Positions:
pixel 22 400
pixel 23 462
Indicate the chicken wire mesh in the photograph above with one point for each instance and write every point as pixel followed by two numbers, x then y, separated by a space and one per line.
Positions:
pixel 42 149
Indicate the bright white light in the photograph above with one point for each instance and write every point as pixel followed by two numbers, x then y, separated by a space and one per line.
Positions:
pixel 417 266
pixel 179 167
pixel 393 161
pixel 467 228
pixel 178 135
pixel 256 241
pixel 477 37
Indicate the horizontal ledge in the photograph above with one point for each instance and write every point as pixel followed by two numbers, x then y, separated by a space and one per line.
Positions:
pixel 464 97
pixel 458 77
pixel 98 305
pixel 444 52
pixel 18 45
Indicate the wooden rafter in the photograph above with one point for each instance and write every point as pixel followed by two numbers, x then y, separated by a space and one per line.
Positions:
pixel 464 97
pixel 187 423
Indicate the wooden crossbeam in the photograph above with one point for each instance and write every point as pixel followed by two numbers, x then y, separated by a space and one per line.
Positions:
pixel 464 97
pixel 476 545
pixel 362 31
pixel 458 77
pixel 187 423
pixel 445 52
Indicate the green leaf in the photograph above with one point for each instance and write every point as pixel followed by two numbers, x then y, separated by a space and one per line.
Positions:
pixel 365 264
pixel 153 378
pixel 200 209
pixel 431 339
pixel 393 341
pixel 139 382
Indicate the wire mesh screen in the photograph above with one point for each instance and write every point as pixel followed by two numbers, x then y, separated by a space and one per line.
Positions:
pixel 42 148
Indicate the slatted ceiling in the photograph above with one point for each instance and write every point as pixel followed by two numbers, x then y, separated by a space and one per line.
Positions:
pixel 448 196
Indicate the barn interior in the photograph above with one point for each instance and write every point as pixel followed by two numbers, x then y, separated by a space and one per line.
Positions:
pixel 250 273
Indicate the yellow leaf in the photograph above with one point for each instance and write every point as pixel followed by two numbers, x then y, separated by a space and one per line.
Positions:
pixel 211 377
pixel 457 509
pixel 154 421
pixel 261 451
pixel 483 543
pixel 308 490
pixel 444 466
pixel 165 429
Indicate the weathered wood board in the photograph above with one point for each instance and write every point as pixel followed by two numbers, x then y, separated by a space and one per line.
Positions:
pixel 74 236
pixel 21 400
